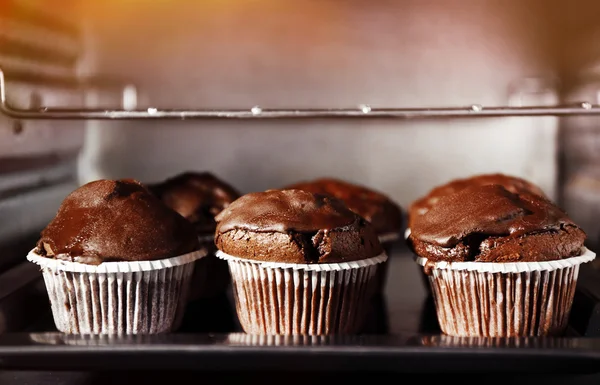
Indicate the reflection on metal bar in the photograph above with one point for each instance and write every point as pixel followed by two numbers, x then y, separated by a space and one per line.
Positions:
pixel 362 111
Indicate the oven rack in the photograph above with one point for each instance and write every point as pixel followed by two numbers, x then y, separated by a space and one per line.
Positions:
pixel 256 112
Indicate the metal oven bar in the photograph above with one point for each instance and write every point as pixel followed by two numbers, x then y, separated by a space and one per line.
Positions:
pixel 256 112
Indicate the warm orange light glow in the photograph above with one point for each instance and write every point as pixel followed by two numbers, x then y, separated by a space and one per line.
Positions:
pixel 291 26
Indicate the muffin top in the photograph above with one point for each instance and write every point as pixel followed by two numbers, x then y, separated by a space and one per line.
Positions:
pixel 511 183
pixel 294 226
pixel 198 197
pixel 491 224
pixel 115 220
pixel 375 207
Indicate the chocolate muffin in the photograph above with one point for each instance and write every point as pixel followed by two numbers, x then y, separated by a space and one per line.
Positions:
pixel 294 226
pixel 375 207
pixel 491 224
pixel 511 183
pixel 126 255
pixel 301 263
pixel 199 197
pixel 110 221
pixel 499 263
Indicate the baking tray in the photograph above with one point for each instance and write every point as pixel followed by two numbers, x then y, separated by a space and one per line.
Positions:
pixel 402 335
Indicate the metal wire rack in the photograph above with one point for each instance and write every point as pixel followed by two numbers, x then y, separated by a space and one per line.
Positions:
pixel 362 111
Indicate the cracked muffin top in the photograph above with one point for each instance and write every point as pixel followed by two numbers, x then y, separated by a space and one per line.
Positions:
pixel 380 210
pixel 197 196
pixel 511 183
pixel 115 220
pixel 294 226
pixel 491 224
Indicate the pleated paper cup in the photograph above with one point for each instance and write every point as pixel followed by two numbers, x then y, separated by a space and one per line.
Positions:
pixel 145 297
pixel 302 299
pixel 485 299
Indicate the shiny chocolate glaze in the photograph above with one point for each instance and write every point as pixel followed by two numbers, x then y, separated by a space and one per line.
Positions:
pixel 294 226
pixel 511 183
pixel 491 224
pixel 375 207
pixel 198 197
pixel 115 220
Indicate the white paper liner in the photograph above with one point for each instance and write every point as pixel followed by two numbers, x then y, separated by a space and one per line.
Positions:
pixel 389 237
pixel 407 233
pixel 114 267
pixel 309 267
pixel 299 299
pixel 512 267
pixel 525 300
pixel 117 297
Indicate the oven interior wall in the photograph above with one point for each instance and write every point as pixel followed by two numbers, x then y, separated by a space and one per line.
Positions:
pixel 232 54
pixel 308 53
